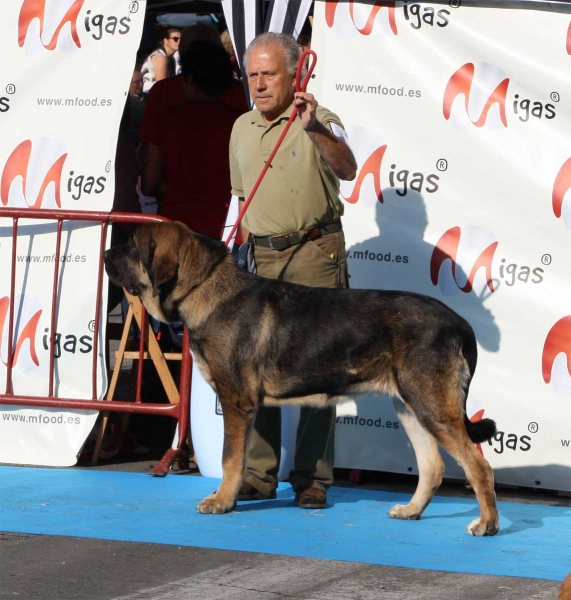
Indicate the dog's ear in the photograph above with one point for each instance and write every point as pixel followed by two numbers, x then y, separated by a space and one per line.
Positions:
pixel 159 260
pixel 146 250
pixel 163 269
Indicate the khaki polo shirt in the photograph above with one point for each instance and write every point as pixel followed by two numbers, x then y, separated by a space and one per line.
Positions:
pixel 299 190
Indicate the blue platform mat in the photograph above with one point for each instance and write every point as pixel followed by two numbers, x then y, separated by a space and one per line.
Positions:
pixel 535 540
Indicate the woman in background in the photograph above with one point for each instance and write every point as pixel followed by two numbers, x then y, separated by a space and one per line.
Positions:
pixel 161 63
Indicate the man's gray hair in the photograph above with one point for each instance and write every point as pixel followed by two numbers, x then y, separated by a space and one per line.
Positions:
pixel 285 41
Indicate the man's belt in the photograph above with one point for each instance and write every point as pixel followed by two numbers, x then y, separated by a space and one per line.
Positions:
pixel 287 240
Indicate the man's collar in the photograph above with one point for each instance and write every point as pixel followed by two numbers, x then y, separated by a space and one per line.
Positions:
pixel 258 119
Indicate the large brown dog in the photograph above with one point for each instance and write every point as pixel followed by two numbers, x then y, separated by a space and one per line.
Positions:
pixel 264 341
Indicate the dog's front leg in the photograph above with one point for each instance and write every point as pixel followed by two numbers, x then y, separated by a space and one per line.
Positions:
pixel 237 429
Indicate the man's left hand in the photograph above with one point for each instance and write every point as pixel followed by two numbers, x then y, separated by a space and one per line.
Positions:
pixel 307 107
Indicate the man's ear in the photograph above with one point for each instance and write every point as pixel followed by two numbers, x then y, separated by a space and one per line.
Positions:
pixel 163 270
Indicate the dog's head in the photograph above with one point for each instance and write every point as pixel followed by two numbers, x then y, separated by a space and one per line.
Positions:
pixel 161 264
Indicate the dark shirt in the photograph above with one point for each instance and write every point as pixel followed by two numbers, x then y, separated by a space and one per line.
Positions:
pixel 194 138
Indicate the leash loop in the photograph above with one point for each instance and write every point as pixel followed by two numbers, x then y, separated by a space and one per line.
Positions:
pixel 300 85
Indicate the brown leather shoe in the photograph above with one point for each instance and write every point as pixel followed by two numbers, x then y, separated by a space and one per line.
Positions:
pixel 249 492
pixel 310 497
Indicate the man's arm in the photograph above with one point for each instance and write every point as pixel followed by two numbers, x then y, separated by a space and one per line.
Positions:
pixel 333 150
pixel 153 170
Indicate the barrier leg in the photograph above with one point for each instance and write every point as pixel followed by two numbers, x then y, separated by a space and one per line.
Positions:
pixel 113 385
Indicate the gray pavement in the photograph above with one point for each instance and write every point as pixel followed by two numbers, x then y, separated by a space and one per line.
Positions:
pixel 62 568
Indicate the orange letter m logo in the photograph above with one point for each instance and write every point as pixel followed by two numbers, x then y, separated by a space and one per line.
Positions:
pixel 28 333
pixel 36 9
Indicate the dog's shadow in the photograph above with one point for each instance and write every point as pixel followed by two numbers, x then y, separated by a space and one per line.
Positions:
pixel 255 505
pixel 519 525
pixel 286 499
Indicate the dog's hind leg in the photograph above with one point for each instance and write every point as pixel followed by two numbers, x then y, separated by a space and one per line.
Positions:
pixel 429 461
pixel 435 388
pixel 452 436
pixel 237 428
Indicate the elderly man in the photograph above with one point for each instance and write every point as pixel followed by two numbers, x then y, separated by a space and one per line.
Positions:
pixel 295 228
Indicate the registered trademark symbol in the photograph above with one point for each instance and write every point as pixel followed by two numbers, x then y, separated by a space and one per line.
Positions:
pixel 10 88
pixel 555 96
pixel 108 166
pixel 546 259
pixel 134 6
pixel 455 3
pixel 533 427
pixel 442 164
pixel 91 326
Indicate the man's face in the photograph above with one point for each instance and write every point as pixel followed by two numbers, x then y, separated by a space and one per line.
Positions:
pixel 271 87
pixel 136 87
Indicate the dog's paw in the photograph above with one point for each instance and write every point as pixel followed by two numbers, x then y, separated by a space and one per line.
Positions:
pixel 211 506
pixel 479 528
pixel 402 511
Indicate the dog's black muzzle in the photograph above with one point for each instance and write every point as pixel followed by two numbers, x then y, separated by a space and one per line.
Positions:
pixel 119 270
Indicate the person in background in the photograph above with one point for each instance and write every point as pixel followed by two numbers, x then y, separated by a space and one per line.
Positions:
pixel 304 41
pixel 190 148
pixel 171 92
pixel 136 85
pixel 229 47
pixel 126 198
pixel 137 105
pixel 294 224
pixel 161 63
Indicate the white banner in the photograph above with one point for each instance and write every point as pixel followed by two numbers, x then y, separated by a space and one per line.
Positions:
pixel 462 130
pixel 66 70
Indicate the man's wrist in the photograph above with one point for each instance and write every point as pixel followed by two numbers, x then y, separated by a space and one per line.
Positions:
pixel 315 127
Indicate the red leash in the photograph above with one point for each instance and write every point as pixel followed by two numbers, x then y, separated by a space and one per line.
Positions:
pixel 301 86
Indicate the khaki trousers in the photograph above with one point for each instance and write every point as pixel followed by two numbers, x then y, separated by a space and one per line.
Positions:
pixel 317 263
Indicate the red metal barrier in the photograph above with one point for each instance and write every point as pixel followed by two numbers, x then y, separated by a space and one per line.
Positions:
pixel 179 411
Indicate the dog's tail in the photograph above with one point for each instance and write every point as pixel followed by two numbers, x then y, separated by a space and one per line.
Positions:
pixel 480 431
pixel 485 429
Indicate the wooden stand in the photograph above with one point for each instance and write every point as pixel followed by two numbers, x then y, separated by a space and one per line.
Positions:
pixel 157 356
